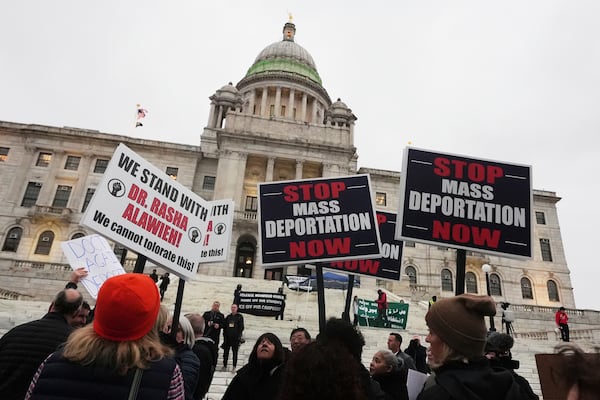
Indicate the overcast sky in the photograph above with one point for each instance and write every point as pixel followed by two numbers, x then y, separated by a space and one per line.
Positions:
pixel 514 81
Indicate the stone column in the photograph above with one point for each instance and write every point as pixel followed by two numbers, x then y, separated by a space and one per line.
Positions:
pixel 219 122
pixel 277 102
pixel 20 178
pixel 270 167
pixel 211 115
pixel 290 108
pixel 303 109
pixel 78 193
pixel 299 167
pixel 313 117
pixel 252 102
pixel 263 103
pixel 49 188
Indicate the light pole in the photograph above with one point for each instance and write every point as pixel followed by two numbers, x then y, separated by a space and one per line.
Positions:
pixel 487 268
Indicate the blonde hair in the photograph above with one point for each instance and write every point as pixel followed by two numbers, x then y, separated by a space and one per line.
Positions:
pixel 162 319
pixel 86 347
pixel 448 354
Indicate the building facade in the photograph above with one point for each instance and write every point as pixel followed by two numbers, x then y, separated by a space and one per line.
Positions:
pixel 277 123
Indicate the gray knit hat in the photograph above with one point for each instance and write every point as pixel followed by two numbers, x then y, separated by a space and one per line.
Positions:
pixel 459 322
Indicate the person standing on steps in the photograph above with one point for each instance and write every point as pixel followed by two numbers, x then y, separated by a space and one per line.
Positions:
pixel 232 335
pixel 164 283
pixel 562 321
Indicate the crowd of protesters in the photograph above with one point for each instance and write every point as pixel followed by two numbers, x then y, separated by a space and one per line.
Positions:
pixel 128 345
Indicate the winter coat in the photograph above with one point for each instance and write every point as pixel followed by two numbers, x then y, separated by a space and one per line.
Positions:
pixel 393 384
pixel 256 382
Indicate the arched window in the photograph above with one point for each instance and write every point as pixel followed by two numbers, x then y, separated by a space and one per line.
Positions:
pixel 244 264
pixel 411 272
pixel 471 281
pixel 495 285
pixel 526 289
pixel 13 238
pixel 447 285
pixel 77 235
pixel 44 243
pixel 552 291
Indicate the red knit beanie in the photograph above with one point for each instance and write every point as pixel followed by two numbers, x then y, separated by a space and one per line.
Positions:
pixel 126 308
pixel 459 322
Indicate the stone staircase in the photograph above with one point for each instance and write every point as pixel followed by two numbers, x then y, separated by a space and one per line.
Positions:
pixel 533 335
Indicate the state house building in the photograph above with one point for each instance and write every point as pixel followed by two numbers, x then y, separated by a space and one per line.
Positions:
pixel 277 123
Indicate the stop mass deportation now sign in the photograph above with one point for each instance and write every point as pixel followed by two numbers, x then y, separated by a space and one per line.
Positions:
pixel 313 220
pixel 468 203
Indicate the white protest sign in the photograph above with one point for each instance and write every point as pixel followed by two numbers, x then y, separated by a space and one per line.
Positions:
pixel 95 255
pixel 145 210
pixel 414 383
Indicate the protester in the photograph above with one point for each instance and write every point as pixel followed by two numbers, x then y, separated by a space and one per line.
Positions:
pixel 457 337
pixel 418 352
pixel 236 294
pixel 213 320
pixel 82 317
pixel 341 334
pixel 299 338
pixel 562 321
pixel 118 350
pixel 260 379
pixel 384 368
pixel 355 310
pixel 508 318
pixel 579 372
pixel 394 344
pixel 432 300
pixel 24 347
pixel 316 373
pixel 164 284
pixel 382 306
pixel 206 351
pixel 182 344
pixel 154 276
pixel 232 336
pixel 497 350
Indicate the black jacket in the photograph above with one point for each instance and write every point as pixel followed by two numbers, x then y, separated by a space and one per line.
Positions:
pixel 211 318
pixel 63 379
pixel 24 348
pixel 393 384
pixel 255 382
pixel 233 328
pixel 474 381
pixel 206 351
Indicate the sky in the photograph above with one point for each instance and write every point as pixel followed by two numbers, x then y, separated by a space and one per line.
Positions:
pixel 513 81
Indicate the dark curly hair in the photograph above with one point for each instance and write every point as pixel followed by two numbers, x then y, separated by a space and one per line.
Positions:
pixel 340 332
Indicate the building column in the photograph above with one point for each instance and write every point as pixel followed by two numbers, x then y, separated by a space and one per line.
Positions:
pixel 299 168
pixel 263 103
pixel 80 189
pixel 270 167
pixel 290 107
pixel 277 102
pixel 303 109
pixel 313 117
pixel 49 187
pixel 252 102
pixel 20 178
pixel 219 122
pixel 211 115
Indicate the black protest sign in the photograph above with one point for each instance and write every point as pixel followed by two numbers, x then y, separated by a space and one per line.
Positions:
pixel 468 203
pixel 386 267
pixel 261 303
pixel 314 220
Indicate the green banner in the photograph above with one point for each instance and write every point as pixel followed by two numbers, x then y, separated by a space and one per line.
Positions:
pixel 397 314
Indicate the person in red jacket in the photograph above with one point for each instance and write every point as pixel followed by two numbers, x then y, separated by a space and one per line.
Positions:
pixel 382 306
pixel 562 321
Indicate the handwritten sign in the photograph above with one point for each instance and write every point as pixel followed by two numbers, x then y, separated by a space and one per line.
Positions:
pixel 95 255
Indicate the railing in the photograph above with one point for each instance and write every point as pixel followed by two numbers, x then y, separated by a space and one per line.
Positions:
pixel 246 215
pixel 32 265
pixel 546 309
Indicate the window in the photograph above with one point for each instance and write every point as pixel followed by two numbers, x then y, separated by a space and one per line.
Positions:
pixel 77 235
pixel 13 238
pixel 43 159
pixel 209 183
pixel 447 285
pixel 44 243
pixel 526 290
pixel 61 198
pixel 251 203
pixel 443 248
pixel 3 153
pixel 88 197
pixel 100 166
pixel 546 251
pixel 272 110
pixel 540 218
pixel 283 111
pixel 380 199
pixel 72 163
pixel 411 272
pixel 471 282
pixel 172 172
pixel 495 285
pixel 552 291
pixel 408 243
pixel 31 194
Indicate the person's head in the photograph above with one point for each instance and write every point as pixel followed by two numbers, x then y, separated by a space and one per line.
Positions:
pixel 239 287
pixel 504 305
pixel 167 274
pixel 394 342
pixel 154 271
pixel 561 309
pixel 383 362
pixel 341 332
pixel 498 345
pixel 309 375
pixel 81 318
pixel 434 297
pixel 185 332
pixel 162 319
pixel 234 309
pixel 67 303
pixel 379 291
pixel 215 306
pixel 299 338
pixel 122 336
pixel 579 372
pixel 457 327
pixel 267 350
pixel 197 323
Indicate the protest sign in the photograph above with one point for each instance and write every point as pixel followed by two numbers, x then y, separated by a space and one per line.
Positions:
pixel 261 303
pixel 322 219
pixel 466 203
pixel 94 254
pixel 386 267
pixel 145 210
pixel 397 314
